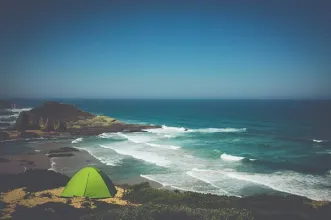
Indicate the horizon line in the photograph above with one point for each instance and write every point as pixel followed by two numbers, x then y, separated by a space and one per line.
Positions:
pixel 161 98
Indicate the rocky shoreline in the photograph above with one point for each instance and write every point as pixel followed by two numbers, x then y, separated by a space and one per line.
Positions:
pixel 54 119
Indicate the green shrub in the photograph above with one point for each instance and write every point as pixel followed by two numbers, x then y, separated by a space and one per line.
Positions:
pixel 143 193
pixel 163 212
pixel 43 124
pixel 56 125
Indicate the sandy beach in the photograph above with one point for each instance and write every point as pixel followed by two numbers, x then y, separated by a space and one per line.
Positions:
pixel 40 156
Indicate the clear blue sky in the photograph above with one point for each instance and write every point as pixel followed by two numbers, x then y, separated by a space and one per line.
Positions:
pixel 165 49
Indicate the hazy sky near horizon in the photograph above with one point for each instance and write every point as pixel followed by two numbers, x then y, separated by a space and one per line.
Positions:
pixel 165 49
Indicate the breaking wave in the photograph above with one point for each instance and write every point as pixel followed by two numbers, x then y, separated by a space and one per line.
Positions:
pixel 319 141
pixel 9 116
pixel 77 140
pixel 289 182
pixel 164 146
pixel 149 157
pixel 104 157
pixel 218 130
pixel 173 130
pixel 18 110
pixel 228 157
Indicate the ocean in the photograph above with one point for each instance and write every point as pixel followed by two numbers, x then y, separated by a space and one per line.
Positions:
pixel 224 147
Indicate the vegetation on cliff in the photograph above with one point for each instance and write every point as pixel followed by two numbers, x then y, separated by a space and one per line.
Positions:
pixel 97 121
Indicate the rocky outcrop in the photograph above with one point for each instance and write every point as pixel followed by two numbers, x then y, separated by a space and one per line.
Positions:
pixel 63 150
pixel 58 117
pixel 26 134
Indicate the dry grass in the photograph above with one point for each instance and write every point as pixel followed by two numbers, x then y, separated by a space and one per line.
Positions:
pixel 97 121
pixel 317 204
pixel 38 132
pixel 15 134
pixel 21 197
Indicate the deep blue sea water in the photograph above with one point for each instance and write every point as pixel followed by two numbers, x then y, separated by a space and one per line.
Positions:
pixel 231 147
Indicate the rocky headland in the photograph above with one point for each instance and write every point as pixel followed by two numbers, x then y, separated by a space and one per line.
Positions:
pixel 54 119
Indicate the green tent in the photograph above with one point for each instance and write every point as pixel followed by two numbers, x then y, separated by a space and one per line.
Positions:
pixel 90 182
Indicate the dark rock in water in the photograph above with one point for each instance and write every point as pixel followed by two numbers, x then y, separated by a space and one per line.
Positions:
pixel 63 150
pixel 34 180
pixel 51 116
pixel 26 134
pixel 61 155
pixel 4 136
pixel 4 160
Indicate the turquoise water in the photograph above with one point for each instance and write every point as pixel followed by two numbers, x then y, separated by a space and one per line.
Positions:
pixel 226 147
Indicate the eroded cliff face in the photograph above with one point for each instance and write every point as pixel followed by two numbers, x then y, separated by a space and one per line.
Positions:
pixel 51 116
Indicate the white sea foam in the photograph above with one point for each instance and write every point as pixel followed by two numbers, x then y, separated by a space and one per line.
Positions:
pixel 164 146
pixel 194 181
pixel 52 164
pixel 318 141
pixel 166 130
pixel 137 137
pixel 77 140
pixel 192 174
pixel 290 182
pixel 173 130
pixel 149 157
pixel 183 188
pixel 111 136
pixel 311 186
pixel 104 157
pixel 104 135
pixel 18 109
pixel 228 157
pixel 218 130
pixel 8 116
pixel 169 136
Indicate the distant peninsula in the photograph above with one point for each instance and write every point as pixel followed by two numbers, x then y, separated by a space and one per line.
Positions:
pixel 59 119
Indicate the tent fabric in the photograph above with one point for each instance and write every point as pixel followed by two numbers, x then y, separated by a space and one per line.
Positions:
pixel 90 182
